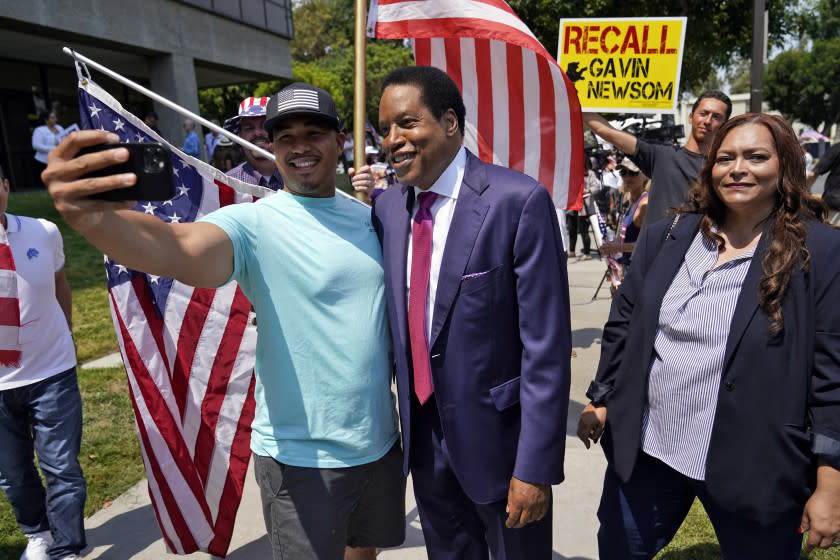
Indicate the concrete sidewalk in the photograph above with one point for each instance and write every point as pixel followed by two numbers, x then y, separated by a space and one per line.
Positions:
pixel 126 529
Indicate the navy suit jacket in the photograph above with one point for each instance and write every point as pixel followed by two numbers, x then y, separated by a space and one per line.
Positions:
pixel 775 391
pixel 500 337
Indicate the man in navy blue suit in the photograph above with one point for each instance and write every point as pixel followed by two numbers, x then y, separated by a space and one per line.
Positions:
pixel 477 294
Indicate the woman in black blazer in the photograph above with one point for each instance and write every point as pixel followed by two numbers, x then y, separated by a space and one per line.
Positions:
pixel 720 363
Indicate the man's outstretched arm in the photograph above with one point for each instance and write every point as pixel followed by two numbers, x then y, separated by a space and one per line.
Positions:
pixel 624 141
pixel 199 254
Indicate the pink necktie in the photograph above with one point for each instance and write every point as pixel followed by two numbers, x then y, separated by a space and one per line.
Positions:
pixel 421 261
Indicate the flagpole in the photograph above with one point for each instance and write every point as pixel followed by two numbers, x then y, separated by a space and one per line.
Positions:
pixel 174 106
pixel 177 108
pixel 359 94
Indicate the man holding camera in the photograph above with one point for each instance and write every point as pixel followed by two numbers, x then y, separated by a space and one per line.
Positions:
pixel 324 436
pixel 672 171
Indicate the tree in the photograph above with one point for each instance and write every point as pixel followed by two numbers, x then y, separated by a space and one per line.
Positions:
pixel 716 32
pixel 322 55
pixel 222 102
pixel 322 27
pixel 335 74
pixel 825 25
pixel 802 85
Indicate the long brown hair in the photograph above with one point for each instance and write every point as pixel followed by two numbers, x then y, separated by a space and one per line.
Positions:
pixel 785 228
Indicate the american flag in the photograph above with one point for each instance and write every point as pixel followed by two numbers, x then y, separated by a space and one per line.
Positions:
pixel 189 356
pixel 522 110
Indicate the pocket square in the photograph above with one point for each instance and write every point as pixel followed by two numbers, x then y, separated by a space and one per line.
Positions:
pixel 474 275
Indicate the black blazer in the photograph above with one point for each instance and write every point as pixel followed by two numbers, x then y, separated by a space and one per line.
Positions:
pixel 775 391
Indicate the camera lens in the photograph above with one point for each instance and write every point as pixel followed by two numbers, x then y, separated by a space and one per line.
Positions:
pixel 153 159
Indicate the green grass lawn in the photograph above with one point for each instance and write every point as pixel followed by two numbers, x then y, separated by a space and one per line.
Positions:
pixel 110 456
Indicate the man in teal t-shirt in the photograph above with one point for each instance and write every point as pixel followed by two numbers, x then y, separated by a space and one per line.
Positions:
pixel 325 440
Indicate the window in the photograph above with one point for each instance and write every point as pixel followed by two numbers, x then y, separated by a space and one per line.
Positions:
pixel 272 15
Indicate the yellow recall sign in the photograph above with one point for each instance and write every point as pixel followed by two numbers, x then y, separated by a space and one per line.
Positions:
pixel 625 65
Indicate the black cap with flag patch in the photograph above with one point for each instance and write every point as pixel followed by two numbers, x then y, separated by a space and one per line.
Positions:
pixel 301 100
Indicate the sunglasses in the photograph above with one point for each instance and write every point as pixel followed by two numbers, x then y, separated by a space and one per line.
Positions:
pixel 627 173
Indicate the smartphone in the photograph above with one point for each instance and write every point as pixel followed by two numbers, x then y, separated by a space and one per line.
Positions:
pixel 151 162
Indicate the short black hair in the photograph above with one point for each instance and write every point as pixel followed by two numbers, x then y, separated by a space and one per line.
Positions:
pixel 712 94
pixel 438 91
pixel 151 114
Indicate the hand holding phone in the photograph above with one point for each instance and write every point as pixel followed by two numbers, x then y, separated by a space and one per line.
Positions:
pixel 151 162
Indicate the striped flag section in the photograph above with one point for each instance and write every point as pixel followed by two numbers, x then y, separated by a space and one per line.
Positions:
pixel 189 356
pixel 10 353
pixel 522 110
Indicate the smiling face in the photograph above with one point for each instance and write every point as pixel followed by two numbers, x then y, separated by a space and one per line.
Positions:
pixel 251 129
pixel 418 145
pixel 307 151
pixel 745 173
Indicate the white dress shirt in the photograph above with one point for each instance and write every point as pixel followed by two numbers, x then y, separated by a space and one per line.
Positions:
pixel 447 188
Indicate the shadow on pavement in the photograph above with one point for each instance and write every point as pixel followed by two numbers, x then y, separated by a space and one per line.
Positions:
pixel 584 338
pixel 125 535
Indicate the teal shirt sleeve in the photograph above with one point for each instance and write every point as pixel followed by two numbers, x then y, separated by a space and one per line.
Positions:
pixel 239 222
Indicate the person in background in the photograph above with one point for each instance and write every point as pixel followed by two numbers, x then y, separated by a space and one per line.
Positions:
pixel 630 223
pixel 226 155
pixel 248 125
pixel 672 171
pixel 40 404
pixel 151 120
pixel 610 185
pixel 347 153
pixel 191 147
pixel 210 141
pixel 809 160
pixel 44 139
pixel 719 376
pixel 829 164
pixel 578 220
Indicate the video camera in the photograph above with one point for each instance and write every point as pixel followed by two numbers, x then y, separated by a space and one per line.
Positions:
pixel 662 131
pixel 594 151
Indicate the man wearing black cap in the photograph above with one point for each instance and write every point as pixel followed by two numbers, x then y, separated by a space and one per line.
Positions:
pixel 324 436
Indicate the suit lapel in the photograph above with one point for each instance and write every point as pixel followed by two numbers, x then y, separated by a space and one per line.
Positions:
pixel 747 303
pixel 397 258
pixel 469 214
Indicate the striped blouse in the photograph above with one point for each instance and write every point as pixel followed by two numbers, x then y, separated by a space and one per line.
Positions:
pixel 689 348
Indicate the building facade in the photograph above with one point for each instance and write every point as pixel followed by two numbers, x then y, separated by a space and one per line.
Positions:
pixel 173 47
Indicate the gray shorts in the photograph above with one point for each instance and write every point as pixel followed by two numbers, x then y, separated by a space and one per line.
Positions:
pixel 312 513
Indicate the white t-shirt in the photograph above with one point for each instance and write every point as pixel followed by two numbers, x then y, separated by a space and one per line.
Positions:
pixel 46 343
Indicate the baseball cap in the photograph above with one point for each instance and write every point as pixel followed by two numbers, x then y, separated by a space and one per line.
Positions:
pixel 248 107
pixel 299 100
